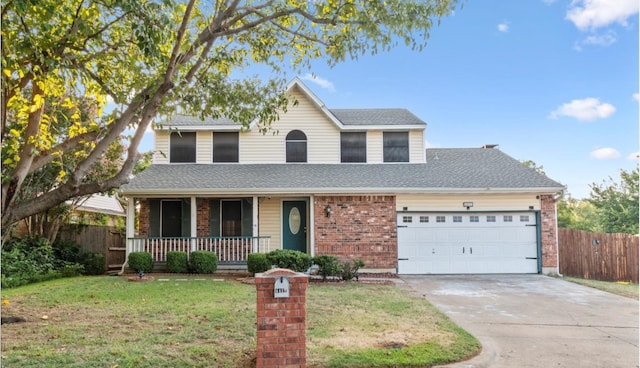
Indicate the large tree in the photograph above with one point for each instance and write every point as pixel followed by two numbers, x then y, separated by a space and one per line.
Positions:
pixel 150 58
pixel 616 203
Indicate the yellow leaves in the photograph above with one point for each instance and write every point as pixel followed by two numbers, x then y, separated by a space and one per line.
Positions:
pixel 7 72
pixel 38 101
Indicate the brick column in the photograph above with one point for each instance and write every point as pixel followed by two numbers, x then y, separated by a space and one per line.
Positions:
pixel 282 322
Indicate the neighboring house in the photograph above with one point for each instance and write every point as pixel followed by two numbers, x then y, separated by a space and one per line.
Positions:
pixel 355 183
pixel 98 205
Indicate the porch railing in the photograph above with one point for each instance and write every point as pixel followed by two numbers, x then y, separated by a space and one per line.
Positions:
pixel 228 249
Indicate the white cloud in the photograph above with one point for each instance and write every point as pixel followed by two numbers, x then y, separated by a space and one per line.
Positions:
pixel 606 39
pixel 636 96
pixel 319 81
pixel 587 109
pixel 593 14
pixel 633 156
pixel 503 27
pixel 606 153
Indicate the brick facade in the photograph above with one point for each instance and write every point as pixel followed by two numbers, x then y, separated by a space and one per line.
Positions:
pixel 143 219
pixel 202 217
pixel 548 229
pixel 281 322
pixel 361 227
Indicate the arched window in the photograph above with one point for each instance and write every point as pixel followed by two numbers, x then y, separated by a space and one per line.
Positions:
pixel 296 146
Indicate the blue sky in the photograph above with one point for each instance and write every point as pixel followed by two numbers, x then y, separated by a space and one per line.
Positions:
pixel 555 82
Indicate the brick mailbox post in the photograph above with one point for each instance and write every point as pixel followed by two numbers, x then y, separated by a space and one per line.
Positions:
pixel 282 318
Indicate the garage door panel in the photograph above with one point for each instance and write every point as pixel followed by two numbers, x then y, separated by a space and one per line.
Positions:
pixel 493 243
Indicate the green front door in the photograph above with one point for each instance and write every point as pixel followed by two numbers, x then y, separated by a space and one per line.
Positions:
pixel 294 225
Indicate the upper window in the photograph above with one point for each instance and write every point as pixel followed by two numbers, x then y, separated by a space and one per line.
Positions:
pixel 182 147
pixel 296 146
pixel 396 146
pixel 353 147
pixel 225 147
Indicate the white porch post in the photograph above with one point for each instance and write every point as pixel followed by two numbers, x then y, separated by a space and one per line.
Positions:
pixel 194 223
pixel 130 230
pixel 312 233
pixel 255 231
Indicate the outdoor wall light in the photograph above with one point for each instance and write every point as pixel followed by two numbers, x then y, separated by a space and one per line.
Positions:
pixel 327 210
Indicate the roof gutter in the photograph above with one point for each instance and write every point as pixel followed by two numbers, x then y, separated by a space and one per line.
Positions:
pixel 289 191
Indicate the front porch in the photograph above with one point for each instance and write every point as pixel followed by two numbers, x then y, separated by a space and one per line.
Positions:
pixel 230 250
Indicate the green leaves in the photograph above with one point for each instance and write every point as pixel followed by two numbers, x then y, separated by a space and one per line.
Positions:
pixel 89 68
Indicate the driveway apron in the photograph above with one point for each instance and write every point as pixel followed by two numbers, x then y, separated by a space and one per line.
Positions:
pixel 535 320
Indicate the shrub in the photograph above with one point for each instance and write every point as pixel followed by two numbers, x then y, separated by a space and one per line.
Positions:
pixel 177 262
pixel 68 251
pixel 93 263
pixel 350 269
pixel 203 262
pixel 328 265
pixel 32 259
pixel 291 259
pixel 257 263
pixel 141 261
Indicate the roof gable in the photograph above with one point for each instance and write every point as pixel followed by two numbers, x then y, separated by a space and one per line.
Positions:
pixel 343 119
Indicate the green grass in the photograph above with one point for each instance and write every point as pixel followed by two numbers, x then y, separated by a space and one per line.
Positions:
pixel 110 322
pixel 619 288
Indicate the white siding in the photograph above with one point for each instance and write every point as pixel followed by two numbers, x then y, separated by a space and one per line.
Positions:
pixel 416 146
pixel 506 202
pixel 204 148
pixel 374 147
pixel 161 151
pixel 323 137
pixel 269 221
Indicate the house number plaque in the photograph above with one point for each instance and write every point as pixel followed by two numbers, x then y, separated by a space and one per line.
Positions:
pixel 281 288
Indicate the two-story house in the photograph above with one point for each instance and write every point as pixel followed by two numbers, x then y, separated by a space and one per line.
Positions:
pixel 354 183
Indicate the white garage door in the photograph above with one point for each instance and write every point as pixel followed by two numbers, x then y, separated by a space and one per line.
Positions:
pixel 467 243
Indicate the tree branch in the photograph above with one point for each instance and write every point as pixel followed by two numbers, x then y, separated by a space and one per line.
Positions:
pixel 47 156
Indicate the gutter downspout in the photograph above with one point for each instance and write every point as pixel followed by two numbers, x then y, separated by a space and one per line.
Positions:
pixel 555 208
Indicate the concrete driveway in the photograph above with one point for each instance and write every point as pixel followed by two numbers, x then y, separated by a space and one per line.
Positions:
pixel 536 321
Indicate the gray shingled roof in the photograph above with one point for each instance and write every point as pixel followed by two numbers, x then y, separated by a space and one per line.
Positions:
pixel 346 116
pixel 446 170
pixel 179 120
pixel 376 117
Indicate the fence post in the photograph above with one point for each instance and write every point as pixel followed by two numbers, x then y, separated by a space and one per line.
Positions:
pixel 281 319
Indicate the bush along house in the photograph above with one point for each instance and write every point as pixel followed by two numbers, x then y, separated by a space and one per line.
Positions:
pixel 355 183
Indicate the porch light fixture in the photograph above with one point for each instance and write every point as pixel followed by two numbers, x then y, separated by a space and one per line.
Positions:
pixel 327 210
pixel 467 204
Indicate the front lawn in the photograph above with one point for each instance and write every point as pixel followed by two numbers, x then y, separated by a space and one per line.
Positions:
pixel 207 322
pixel 627 289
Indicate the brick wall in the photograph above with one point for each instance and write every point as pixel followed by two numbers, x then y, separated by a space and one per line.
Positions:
pixel 281 322
pixel 548 231
pixel 202 213
pixel 143 219
pixel 359 227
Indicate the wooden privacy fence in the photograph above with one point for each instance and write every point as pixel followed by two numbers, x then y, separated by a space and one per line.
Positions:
pixel 97 239
pixel 598 256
